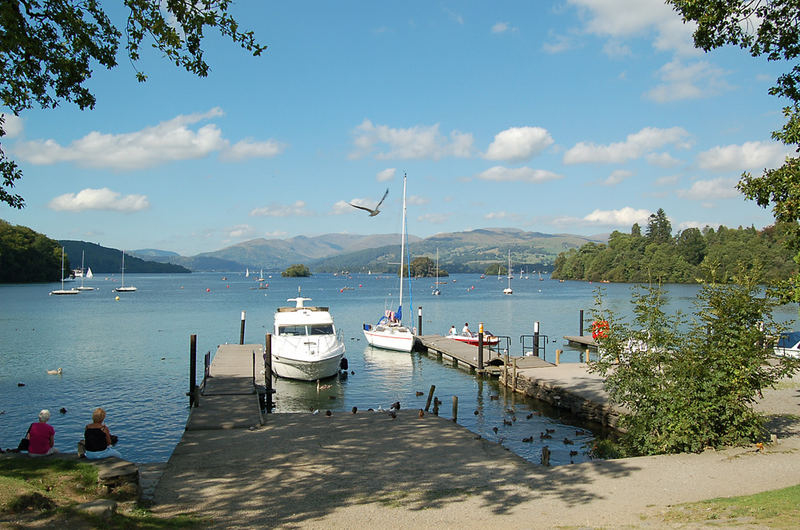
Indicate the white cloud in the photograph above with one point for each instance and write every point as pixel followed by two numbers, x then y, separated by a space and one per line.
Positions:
pixel 502 27
pixel 558 43
pixel 168 141
pixel 282 210
pixel 619 19
pixel 419 142
pixel 749 155
pixel 614 48
pixel 341 208
pixel 518 143
pixel 635 146
pixel 681 81
pixel 720 188
pixel 434 218
pixel 520 174
pixel 250 148
pixel 98 199
pixel 12 125
pixel 241 232
pixel 386 175
pixel 667 180
pixel 694 224
pixel 617 176
pixel 416 200
pixel 623 217
pixel 661 159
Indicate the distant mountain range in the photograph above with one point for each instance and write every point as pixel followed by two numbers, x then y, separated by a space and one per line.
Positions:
pixel 470 251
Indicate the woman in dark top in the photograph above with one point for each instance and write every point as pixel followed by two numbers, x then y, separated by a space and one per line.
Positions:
pixel 98 438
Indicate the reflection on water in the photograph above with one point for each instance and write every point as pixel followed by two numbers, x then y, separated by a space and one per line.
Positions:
pixel 131 356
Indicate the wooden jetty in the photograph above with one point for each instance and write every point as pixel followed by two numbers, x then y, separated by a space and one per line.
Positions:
pixel 465 356
pixel 229 396
pixel 581 340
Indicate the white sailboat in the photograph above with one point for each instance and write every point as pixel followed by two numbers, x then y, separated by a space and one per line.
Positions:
pixel 122 288
pixel 436 291
pixel 87 275
pixel 62 290
pixel 246 272
pixel 390 333
pixel 508 289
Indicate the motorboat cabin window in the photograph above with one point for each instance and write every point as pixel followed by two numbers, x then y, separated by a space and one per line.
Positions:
pixel 292 331
pixel 321 329
pixel 299 331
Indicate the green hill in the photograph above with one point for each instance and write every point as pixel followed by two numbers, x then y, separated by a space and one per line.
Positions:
pixel 109 260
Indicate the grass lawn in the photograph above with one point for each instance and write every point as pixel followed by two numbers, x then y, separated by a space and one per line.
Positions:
pixel 771 509
pixel 46 492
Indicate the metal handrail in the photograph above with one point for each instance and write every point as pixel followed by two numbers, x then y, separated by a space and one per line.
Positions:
pixel 543 340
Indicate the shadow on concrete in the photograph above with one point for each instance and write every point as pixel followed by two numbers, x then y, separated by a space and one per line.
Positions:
pixel 300 467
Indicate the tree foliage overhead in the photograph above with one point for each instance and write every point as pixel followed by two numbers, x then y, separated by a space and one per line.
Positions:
pixel 688 384
pixel 48 49
pixel 691 255
pixel 768 28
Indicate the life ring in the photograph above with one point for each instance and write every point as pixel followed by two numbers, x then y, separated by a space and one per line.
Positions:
pixel 600 329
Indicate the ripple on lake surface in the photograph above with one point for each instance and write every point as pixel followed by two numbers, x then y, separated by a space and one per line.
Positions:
pixel 131 356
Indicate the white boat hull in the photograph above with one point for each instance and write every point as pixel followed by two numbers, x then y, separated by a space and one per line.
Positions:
pixel 397 338
pixel 306 358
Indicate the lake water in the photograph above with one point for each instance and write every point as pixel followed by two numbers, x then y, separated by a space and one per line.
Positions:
pixel 131 355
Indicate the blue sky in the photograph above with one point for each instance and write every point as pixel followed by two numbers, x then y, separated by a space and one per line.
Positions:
pixel 578 116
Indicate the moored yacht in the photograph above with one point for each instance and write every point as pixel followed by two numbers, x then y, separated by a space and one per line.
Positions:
pixel 305 343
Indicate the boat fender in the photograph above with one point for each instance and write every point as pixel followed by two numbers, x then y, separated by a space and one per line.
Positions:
pixel 343 364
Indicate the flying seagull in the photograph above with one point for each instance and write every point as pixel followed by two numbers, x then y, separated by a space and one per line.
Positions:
pixel 372 211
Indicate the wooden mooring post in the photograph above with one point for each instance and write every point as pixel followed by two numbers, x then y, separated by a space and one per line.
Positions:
pixel 455 408
pixel 580 325
pixel 430 397
pixel 192 371
pixel 241 330
pixel 268 370
pixel 419 320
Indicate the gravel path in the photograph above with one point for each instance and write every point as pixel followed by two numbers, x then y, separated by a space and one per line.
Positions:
pixel 370 470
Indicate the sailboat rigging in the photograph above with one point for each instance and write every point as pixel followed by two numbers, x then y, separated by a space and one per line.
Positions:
pixel 87 275
pixel 62 290
pixel 122 288
pixel 390 333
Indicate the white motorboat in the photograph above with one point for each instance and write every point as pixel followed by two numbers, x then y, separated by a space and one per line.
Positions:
pixel 305 343
pixel 62 290
pixel 123 288
pixel 390 333
pixel 788 345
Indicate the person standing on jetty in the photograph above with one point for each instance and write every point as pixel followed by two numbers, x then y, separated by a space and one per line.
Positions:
pixel 41 436
pixel 98 437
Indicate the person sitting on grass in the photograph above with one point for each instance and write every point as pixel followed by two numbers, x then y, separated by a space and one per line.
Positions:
pixel 41 436
pixel 98 438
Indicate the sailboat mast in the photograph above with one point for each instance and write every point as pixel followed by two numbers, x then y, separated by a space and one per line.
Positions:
pixel 403 241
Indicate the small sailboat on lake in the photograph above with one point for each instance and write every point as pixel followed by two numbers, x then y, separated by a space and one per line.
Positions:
pixel 88 274
pixel 508 289
pixel 62 290
pixel 123 288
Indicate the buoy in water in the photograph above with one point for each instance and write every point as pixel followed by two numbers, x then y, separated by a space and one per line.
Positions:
pixel 208 290
pixel 116 298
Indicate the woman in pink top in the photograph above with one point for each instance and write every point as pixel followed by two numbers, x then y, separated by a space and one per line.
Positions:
pixel 42 436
